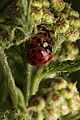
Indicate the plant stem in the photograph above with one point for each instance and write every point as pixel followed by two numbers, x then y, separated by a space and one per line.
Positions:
pixel 21 101
pixel 9 78
pixel 27 82
pixel 36 80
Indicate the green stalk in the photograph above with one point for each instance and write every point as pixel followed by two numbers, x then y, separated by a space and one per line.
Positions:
pixel 27 82
pixel 9 78
pixel 21 101
pixel 36 79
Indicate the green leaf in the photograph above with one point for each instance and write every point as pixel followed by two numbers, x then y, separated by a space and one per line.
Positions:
pixel 54 67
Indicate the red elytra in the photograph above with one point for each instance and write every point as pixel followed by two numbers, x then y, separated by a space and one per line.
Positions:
pixel 39 40
pixel 39 49
pixel 38 56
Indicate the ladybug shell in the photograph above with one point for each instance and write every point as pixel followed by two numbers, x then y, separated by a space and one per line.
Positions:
pixel 38 56
pixel 39 40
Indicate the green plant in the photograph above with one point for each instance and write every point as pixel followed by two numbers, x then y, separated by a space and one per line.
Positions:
pixel 19 82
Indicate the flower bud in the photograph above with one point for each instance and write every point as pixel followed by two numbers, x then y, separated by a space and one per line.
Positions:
pixel 61 25
pixel 45 4
pixel 70 12
pixel 48 17
pixel 64 108
pixel 61 14
pixel 37 15
pixel 72 34
pixel 37 3
pixel 74 22
pixel 37 103
pixel 69 52
pixel 50 114
pixel 73 13
pixel 69 91
pixel 37 116
pixel 72 86
pixel 54 99
pixel 72 51
pixel 45 88
pixel 74 103
pixel 57 5
pixel 59 83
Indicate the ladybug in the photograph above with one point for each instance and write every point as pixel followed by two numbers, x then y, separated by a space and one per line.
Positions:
pixel 39 49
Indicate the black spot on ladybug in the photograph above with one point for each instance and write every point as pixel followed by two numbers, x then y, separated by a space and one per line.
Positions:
pixel 39 40
pixel 50 49
pixel 40 60
pixel 34 56
pixel 33 51
pixel 39 51
pixel 32 46
pixel 34 63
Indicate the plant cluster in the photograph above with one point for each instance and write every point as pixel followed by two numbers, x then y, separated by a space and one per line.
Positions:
pixel 37 92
